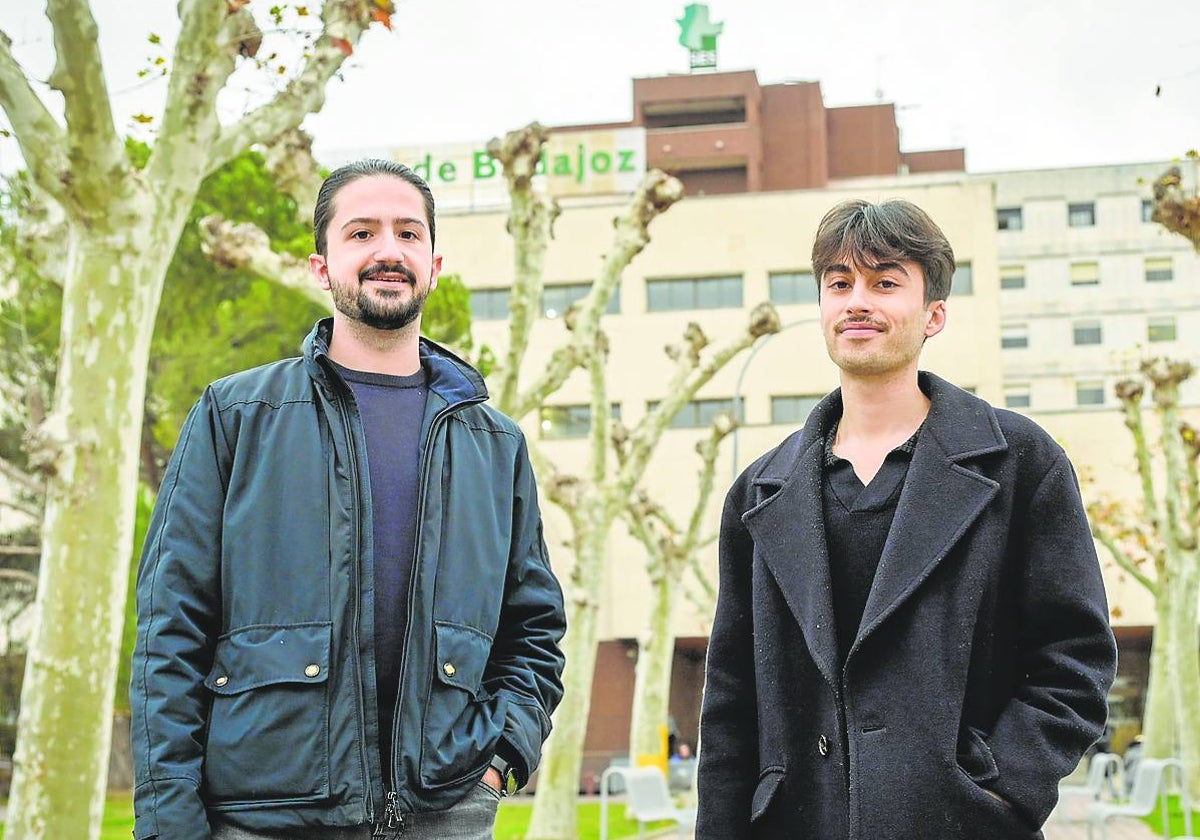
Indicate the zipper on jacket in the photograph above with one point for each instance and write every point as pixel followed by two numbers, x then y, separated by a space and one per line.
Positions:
pixel 357 599
pixel 423 482
pixel 392 822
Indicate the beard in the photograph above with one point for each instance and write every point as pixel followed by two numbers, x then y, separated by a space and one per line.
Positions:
pixel 386 309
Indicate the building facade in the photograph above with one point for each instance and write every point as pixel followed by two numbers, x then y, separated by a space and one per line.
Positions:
pixel 1062 281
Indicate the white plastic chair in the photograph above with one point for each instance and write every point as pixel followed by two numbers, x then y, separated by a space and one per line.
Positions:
pixel 646 797
pixel 1149 787
pixel 1102 771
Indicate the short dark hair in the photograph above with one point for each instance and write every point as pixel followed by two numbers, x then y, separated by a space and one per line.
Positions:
pixel 867 234
pixel 343 175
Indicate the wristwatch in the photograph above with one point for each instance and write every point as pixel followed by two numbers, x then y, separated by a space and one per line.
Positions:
pixel 508 776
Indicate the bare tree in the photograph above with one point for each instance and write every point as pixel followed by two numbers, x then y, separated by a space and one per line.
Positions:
pixel 672 556
pixel 118 228
pixel 593 501
pixel 1157 546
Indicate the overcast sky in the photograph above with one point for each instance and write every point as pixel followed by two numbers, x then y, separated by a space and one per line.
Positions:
pixel 1019 83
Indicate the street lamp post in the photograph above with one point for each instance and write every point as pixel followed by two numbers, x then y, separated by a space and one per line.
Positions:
pixel 737 388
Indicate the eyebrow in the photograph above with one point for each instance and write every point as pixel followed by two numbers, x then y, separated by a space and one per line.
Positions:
pixel 370 220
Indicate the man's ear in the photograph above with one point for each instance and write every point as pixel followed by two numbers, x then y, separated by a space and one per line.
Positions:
pixel 319 269
pixel 435 271
pixel 935 318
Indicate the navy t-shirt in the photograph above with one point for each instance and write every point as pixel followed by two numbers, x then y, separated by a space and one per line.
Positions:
pixel 392 408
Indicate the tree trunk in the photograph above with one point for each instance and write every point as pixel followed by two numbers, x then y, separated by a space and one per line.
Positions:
pixel 554 807
pixel 652 683
pixel 90 448
pixel 1185 667
pixel 1158 717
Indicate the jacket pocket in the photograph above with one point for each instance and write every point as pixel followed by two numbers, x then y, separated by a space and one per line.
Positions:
pixel 974 756
pixel 268 732
pixel 461 723
pixel 768 785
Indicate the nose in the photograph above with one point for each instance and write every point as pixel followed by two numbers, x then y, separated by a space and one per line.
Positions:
pixel 858 300
pixel 387 248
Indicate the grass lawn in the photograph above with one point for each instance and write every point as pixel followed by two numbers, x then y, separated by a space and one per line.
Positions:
pixel 511 823
pixel 1174 815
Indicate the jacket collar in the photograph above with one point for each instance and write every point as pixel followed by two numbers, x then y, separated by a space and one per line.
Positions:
pixel 450 377
pixel 941 498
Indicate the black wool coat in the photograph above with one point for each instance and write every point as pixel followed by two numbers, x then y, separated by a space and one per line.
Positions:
pixel 981 666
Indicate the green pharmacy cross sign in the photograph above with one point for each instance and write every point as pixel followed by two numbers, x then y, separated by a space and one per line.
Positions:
pixel 699 34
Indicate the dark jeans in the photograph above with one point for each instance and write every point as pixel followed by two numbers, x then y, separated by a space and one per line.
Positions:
pixel 473 818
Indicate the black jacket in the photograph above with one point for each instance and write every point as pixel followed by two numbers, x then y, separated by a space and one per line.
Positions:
pixel 982 663
pixel 253 689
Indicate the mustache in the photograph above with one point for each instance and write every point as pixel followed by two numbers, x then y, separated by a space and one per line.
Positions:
pixel 387 268
pixel 853 323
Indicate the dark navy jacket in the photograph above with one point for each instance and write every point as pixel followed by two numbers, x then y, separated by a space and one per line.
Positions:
pixel 253 688
pixel 981 665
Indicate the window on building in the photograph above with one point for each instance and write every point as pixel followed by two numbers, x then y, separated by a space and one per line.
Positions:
pixel 963 280
pixel 1159 270
pixel 700 413
pixel 1088 332
pixel 1160 328
pixel 1008 218
pixel 1085 274
pixel 1012 277
pixel 694 293
pixel 1089 392
pixel 1082 214
pixel 1014 336
pixel 558 422
pixel 489 304
pixel 792 287
pixel 557 299
pixel 1147 210
pixel 793 411
pixel 1016 396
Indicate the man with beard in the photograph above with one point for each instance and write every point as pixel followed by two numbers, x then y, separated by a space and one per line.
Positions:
pixel 347 622
pixel 911 638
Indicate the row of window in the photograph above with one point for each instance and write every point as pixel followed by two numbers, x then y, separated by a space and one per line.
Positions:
pixel 682 293
pixel 1079 214
pixel 1084 333
pixel 1088 392
pixel 574 421
pixel 558 422
pixel 1155 269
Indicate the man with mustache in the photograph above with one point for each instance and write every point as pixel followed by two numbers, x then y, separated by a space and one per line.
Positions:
pixel 911 638
pixel 347 622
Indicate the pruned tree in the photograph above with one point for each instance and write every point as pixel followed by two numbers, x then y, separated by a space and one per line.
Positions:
pixel 594 500
pixel 1156 544
pixel 1175 207
pixel 117 226
pixel 672 562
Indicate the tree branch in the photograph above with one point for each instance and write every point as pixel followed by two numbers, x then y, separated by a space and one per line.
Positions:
pixel 691 374
pixel 95 152
pixel 1129 392
pixel 531 224
pixel 41 139
pixel 1123 560
pixel 654 196
pixel 247 246
pixel 344 23
pixel 21 479
pixel 212 35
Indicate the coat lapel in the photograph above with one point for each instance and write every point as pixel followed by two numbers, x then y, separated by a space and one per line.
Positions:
pixel 940 500
pixel 789 537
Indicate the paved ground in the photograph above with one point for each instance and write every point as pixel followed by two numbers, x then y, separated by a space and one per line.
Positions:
pixel 1118 829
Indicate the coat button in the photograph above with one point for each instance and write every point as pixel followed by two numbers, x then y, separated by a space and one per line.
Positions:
pixel 312 670
pixel 449 670
pixel 823 745
pixel 221 681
